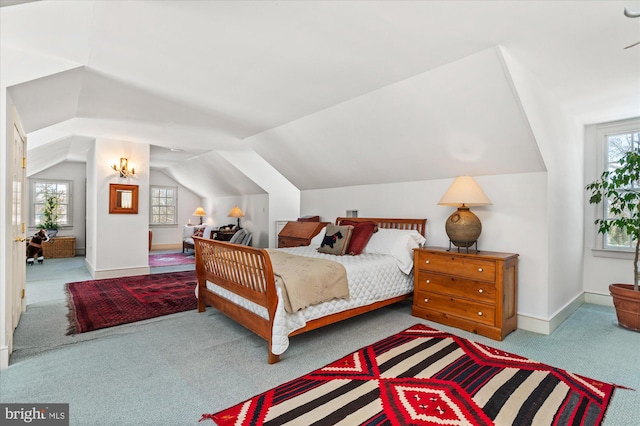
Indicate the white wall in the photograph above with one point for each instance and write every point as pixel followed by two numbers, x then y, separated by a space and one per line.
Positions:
pixel 76 173
pixel 165 236
pixel 283 197
pixel 560 142
pixel 515 223
pixel 256 215
pixel 117 244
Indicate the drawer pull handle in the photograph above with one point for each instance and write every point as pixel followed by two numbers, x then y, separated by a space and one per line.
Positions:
pixel 479 269
pixel 426 300
pixel 428 281
pixel 481 291
pixel 480 313
pixel 427 261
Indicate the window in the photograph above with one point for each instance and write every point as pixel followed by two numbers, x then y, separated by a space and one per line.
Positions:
pixel 616 145
pixel 164 200
pixel 40 189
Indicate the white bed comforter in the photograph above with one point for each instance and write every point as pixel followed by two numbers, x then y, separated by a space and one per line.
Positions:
pixel 372 278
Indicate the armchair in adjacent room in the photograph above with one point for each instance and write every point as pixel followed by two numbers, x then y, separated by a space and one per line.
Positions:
pixel 190 231
pixel 242 237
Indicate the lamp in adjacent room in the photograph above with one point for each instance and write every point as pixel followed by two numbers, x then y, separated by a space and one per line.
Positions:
pixel 124 168
pixel 236 212
pixel 199 212
pixel 463 227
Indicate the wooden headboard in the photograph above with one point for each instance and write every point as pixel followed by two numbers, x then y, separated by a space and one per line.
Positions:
pixel 419 225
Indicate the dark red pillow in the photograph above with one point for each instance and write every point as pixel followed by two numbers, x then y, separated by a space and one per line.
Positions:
pixel 362 232
pixel 198 232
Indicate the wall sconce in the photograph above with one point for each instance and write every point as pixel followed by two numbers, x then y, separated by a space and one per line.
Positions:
pixel 124 168
pixel 236 212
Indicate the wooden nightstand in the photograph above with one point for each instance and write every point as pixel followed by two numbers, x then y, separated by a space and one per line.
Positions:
pixel 476 292
pixel 296 234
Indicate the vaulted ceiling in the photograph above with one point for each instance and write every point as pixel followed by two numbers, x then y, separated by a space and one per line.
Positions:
pixel 329 93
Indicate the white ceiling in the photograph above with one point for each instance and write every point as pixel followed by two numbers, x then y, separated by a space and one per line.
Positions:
pixel 331 93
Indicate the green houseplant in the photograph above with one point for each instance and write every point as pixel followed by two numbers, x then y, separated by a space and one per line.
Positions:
pixel 50 214
pixel 619 186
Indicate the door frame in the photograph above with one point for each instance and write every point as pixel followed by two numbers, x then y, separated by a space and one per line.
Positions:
pixel 13 225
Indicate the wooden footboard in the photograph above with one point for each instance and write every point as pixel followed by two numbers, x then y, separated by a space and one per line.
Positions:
pixel 248 273
pixel 244 271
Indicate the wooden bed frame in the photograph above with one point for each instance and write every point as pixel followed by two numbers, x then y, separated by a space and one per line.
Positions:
pixel 247 272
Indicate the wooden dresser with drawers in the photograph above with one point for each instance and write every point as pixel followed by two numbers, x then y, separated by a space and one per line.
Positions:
pixel 476 292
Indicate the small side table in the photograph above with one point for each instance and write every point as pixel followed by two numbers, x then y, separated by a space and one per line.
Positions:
pixel 225 235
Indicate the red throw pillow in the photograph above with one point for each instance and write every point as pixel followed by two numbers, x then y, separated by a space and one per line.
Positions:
pixel 362 232
pixel 198 232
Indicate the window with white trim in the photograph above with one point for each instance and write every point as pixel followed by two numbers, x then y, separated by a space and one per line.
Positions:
pixel 164 202
pixel 40 189
pixel 617 143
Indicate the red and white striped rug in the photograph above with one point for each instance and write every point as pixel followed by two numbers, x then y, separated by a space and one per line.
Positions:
pixel 423 376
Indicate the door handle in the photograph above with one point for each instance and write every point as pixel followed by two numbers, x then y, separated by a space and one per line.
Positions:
pixel 19 239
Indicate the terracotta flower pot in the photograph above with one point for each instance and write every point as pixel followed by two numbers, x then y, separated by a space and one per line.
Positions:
pixel 627 303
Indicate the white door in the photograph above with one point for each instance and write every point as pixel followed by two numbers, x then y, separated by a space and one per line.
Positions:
pixel 17 273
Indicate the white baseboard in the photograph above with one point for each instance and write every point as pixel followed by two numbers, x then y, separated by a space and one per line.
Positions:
pixel 548 326
pixel 116 273
pixel 598 299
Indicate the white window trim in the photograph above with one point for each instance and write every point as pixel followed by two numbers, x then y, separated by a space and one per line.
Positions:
pixel 602 132
pixel 32 201
pixel 175 206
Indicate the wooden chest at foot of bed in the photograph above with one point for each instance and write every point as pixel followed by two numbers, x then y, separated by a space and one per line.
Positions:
pixel 476 292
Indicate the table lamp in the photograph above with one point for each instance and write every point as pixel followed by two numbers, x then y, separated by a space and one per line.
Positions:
pixel 236 212
pixel 199 212
pixel 463 227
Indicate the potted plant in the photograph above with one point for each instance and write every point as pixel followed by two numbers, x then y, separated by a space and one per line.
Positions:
pixel 50 215
pixel 620 187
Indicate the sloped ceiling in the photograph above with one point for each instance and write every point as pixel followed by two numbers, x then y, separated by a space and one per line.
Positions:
pixel 330 93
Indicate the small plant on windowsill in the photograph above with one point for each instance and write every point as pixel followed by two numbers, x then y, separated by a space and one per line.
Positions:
pixel 50 215
pixel 624 205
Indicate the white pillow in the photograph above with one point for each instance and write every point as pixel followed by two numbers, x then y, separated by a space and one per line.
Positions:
pixel 207 231
pixel 317 240
pixel 187 231
pixel 398 243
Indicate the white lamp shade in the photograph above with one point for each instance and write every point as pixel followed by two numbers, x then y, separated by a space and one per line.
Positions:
pixel 464 191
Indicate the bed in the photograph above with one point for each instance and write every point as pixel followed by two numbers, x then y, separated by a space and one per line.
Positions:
pixel 239 281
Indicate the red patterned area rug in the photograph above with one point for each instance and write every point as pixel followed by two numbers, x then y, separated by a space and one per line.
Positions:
pixel 110 302
pixel 423 376
pixel 171 259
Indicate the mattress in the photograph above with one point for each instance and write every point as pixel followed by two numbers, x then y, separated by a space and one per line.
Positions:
pixel 372 278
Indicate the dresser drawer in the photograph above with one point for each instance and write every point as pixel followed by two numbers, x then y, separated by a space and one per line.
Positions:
pixel 467 267
pixel 474 311
pixel 459 287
